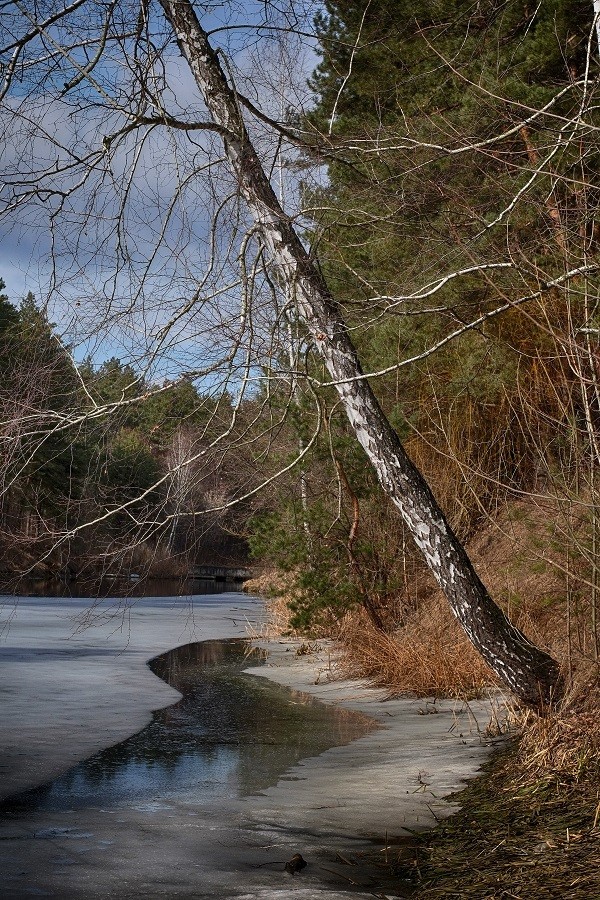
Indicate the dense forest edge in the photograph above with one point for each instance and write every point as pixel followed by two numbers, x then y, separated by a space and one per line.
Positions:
pixel 447 172
pixel 74 496
pixel 502 420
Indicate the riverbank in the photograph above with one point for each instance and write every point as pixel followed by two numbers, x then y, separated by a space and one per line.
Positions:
pixel 398 775
pixel 90 686
pixel 516 830
pixel 532 841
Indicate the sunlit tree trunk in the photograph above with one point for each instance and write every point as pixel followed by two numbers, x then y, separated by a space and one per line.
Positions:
pixel 530 672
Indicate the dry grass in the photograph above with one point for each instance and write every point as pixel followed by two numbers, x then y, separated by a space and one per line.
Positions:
pixel 531 826
pixel 521 557
pixel 565 745
pixel 529 842
pixel 430 655
pixel 277 590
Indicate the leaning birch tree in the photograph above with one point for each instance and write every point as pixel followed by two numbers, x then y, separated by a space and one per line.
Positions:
pixel 527 670
pixel 115 125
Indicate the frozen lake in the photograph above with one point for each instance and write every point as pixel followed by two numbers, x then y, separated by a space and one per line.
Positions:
pixel 209 805
pixel 231 735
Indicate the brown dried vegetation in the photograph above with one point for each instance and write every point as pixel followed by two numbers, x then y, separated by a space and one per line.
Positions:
pixel 536 572
pixel 529 827
pixel 429 655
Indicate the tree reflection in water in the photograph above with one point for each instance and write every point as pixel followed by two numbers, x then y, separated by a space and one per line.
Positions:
pixel 231 735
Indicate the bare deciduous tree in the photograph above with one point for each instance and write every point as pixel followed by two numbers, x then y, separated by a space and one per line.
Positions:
pixel 158 188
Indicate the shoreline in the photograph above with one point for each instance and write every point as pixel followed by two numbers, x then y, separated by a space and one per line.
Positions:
pixel 535 839
pixel 401 773
pixel 340 804
pixel 74 677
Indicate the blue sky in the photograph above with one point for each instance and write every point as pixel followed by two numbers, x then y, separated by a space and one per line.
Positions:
pixel 79 269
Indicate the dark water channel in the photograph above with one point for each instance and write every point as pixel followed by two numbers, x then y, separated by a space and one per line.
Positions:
pixel 231 735
pixel 120 586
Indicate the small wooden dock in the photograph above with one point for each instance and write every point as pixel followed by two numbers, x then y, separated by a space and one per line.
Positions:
pixel 220 573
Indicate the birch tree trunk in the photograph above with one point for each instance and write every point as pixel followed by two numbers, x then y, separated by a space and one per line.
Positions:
pixel 528 671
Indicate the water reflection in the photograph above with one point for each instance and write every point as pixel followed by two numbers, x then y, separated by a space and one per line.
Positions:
pixel 230 736
pixel 119 587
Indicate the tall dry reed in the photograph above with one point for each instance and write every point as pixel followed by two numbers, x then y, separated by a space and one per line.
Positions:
pixel 428 656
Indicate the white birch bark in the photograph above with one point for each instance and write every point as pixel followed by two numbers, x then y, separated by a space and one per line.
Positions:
pixel 528 671
pixel 597 21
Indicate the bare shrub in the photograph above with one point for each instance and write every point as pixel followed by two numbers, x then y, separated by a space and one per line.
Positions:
pixel 277 590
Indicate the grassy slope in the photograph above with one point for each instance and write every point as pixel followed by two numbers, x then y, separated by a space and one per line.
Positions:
pixel 535 839
pixel 529 826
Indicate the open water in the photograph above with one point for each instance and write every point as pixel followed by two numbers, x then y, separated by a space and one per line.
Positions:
pixel 231 735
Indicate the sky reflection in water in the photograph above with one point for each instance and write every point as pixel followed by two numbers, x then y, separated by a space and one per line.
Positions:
pixel 230 736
